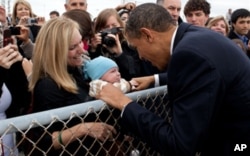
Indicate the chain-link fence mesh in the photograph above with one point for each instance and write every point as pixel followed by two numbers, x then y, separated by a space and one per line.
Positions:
pixel 33 133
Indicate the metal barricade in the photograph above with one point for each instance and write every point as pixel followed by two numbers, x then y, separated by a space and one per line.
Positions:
pixel 25 128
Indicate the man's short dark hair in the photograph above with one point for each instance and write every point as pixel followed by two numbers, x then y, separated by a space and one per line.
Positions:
pixel 157 18
pixel 54 12
pixel 195 5
pixel 239 13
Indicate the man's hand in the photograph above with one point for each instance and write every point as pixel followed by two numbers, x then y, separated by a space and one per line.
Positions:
pixel 113 96
pixel 141 83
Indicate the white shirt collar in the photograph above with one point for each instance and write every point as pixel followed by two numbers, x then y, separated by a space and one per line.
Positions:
pixel 172 41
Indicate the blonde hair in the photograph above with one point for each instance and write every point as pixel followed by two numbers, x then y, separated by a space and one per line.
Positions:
pixel 215 20
pixel 14 11
pixel 51 53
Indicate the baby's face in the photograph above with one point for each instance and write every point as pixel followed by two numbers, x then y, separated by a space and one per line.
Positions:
pixel 112 75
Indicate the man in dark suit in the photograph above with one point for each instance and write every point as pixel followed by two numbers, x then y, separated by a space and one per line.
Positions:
pixel 208 86
pixel 240 27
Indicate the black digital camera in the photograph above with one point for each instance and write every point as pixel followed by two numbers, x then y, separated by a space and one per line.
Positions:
pixel 110 41
pixel 7 33
pixel 14 30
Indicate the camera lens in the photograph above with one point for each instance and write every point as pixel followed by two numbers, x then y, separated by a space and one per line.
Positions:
pixel 109 41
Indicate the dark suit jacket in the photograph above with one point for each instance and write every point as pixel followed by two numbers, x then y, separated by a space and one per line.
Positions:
pixel 209 93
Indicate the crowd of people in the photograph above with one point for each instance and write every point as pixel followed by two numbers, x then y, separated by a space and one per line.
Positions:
pixel 73 58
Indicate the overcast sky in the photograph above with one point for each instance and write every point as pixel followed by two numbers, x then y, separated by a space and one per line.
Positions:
pixel 43 7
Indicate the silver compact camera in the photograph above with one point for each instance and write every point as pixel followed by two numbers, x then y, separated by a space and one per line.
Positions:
pixel 32 21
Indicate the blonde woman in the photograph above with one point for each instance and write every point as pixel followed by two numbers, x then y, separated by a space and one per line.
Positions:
pixel 219 24
pixel 21 9
pixel 57 82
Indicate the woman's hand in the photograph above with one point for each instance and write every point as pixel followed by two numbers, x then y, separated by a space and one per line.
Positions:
pixel 23 20
pixel 116 49
pixel 95 41
pixel 130 6
pixel 27 67
pixel 9 55
pixel 40 21
pixel 99 130
pixel 24 34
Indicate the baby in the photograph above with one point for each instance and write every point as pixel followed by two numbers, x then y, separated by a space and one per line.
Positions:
pixel 101 71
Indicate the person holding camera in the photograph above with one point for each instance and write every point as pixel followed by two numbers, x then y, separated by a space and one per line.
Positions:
pixel 22 14
pixel 109 41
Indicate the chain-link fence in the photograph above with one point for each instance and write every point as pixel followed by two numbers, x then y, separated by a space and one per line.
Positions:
pixel 33 133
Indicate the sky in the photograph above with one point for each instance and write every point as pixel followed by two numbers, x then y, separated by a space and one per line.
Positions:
pixel 43 7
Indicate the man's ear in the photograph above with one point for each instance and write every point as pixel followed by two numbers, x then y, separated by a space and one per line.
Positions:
pixel 147 34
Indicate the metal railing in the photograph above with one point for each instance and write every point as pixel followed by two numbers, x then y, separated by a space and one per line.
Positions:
pixel 31 130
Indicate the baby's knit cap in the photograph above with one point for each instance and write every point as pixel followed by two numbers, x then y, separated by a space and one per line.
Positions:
pixel 96 68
